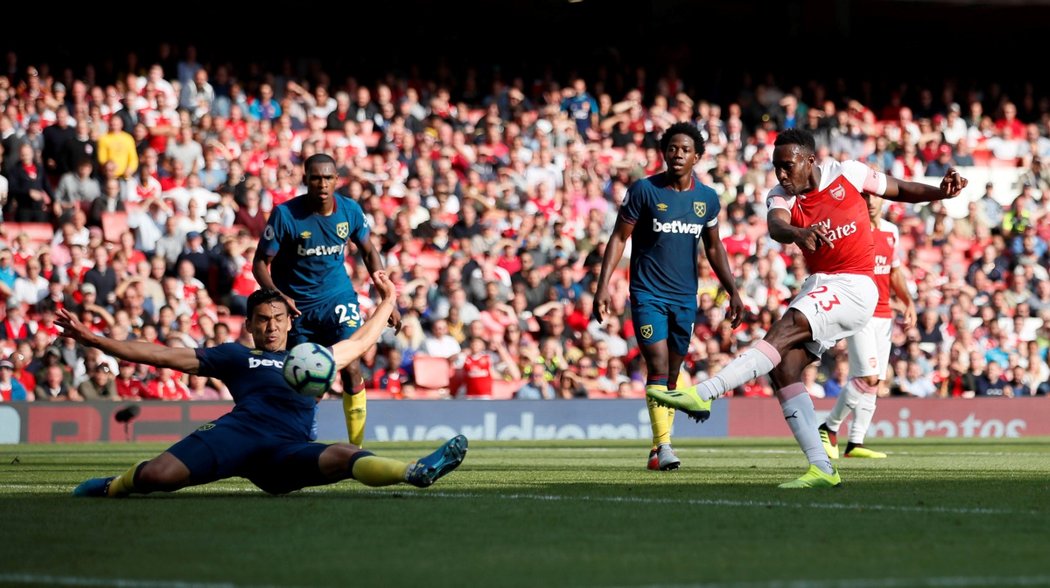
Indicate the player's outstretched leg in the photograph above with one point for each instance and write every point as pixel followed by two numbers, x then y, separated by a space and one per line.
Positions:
pixel 111 487
pixel 94 488
pixel 687 401
pixel 431 468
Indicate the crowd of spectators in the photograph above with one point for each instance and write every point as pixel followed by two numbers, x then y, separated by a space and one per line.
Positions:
pixel 137 205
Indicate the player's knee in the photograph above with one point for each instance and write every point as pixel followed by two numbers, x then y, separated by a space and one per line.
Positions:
pixel 785 373
pixel 789 331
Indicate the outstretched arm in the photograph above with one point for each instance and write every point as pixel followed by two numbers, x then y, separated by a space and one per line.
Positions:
pixel 374 263
pixel 350 349
pixel 903 191
pixel 176 358
pixel 613 253
pixel 719 260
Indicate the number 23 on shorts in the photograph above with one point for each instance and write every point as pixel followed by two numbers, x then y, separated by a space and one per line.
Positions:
pixel 348 314
pixel 825 300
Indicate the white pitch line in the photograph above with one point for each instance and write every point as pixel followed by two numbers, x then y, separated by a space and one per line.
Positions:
pixel 713 502
pixel 930 582
pixel 610 499
pixel 49 580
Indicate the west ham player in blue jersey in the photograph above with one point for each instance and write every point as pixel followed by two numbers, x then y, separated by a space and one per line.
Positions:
pixel 301 255
pixel 667 215
pixel 266 437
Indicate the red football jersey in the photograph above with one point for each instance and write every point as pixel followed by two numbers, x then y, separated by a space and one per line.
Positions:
pixel 477 370
pixel 837 205
pixel 886 237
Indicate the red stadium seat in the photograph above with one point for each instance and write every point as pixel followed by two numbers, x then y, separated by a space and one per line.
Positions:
pixel 114 224
pixel 38 232
pixel 502 390
pixel 434 373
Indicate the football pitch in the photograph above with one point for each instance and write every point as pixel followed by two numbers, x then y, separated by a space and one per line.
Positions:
pixel 935 513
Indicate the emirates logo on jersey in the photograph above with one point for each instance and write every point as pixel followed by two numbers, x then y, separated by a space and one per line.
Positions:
pixel 835 233
pixel 838 192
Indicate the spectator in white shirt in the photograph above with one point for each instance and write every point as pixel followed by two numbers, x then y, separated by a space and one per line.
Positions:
pixel 439 343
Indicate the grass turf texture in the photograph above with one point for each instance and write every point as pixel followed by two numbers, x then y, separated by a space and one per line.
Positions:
pixel 937 512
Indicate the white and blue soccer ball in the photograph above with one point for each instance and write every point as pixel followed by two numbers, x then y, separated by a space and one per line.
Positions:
pixel 310 369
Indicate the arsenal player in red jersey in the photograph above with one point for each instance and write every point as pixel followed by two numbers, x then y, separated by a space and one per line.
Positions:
pixel 869 348
pixel 818 207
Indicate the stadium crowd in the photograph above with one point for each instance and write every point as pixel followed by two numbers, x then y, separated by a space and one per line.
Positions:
pixel 139 204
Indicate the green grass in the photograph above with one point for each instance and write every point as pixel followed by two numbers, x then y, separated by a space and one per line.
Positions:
pixel 937 512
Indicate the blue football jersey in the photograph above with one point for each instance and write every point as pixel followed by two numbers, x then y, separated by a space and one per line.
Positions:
pixel 309 249
pixel 255 378
pixel 667 236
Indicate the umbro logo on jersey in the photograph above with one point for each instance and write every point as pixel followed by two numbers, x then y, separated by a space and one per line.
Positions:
pixel 305 235
pixel 661 207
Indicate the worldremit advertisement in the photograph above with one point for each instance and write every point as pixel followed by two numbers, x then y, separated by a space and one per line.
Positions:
pixel 519 420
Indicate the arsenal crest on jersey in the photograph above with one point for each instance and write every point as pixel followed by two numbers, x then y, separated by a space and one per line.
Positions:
pixel 838 192
pixel 700 208
pixel 889 240
pixel 343 230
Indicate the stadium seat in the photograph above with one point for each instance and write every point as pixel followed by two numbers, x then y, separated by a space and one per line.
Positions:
pixel 432 373
pixel 38 232
pixel 502 390
pixel 114 224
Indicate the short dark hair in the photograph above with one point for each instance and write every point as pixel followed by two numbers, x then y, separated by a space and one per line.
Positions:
pixel 683 128
pixel 263 296
pixel 800 137
pixel 317 158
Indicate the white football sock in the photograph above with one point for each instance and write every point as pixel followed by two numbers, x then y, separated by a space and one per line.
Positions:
pixel 757 361
pixel 847 401
pixel 862 416
pixel 800 416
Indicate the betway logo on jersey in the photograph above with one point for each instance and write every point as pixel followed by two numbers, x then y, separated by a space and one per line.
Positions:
pixel 678 227
pixel 254 363
pixel 839 232
pixel 321 250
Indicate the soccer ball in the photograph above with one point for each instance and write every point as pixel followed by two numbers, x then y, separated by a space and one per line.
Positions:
pixel 310 369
